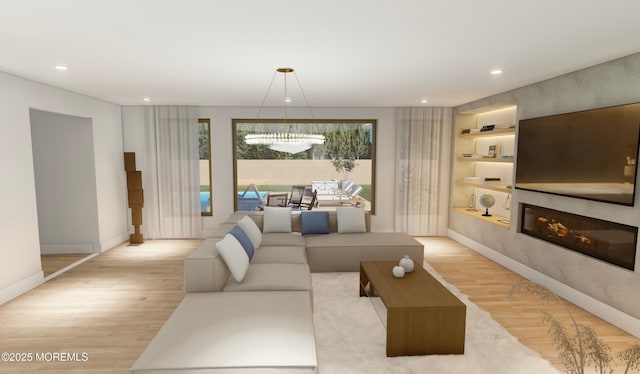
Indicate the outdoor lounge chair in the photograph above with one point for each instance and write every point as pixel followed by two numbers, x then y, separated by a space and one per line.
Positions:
pixel 295 198
pixel 309 199
pixel 277 199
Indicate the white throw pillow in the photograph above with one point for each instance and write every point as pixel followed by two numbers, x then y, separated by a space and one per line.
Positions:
pixel 350 220
pixel 252 230
pixel 276 220
pixel 234 256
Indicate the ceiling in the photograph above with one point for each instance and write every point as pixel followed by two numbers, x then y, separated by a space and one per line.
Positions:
pixel 345 53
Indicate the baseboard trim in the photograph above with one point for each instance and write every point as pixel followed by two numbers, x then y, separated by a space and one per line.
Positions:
pixel 57 249
pixel 596 307
pixel 16 289
pixel 69 267
pixel 114 242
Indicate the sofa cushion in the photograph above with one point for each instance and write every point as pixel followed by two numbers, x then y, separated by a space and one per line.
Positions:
pixel 223 332
pixel 315 222
pixel 234 218
pixel 222 230
pixel 273 277
pixel 234 256
pixel 283 239
pixel 251 229
pixel 343 252
pixel 350 220
pixel 276 220
pixel 244 240
pixel 280 255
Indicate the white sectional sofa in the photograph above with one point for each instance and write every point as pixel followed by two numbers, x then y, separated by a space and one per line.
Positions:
pixel 282 262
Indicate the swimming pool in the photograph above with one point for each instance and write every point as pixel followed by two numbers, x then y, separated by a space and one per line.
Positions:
pixel 248 202
pixel 204 201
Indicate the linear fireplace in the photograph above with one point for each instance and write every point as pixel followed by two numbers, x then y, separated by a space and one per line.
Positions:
pixel 608 241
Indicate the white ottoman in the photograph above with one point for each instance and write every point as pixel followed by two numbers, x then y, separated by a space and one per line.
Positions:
pixel 235 332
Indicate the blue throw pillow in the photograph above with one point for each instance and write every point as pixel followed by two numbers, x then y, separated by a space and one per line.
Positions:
pixel 244 240
pixel 315 222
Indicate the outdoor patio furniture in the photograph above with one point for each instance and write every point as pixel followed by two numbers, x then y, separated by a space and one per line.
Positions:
pixel 277 199
pixel 352 197
pixel 309 199
pixel 329 187
pixel 295 198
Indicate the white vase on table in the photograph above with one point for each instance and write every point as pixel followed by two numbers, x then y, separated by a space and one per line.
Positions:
pixel 407 263
pixel 398 271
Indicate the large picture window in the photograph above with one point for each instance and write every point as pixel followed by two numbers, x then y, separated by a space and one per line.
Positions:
pixel 332 159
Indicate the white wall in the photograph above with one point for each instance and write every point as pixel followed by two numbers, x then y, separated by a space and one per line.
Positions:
pixel 222 152
pixel 20 268
pixel 65 176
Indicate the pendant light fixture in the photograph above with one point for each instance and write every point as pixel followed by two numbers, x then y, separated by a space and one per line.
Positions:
pixel 287 140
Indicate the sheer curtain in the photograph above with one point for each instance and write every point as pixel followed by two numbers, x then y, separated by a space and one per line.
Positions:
pixel 423 160
pixel 171 179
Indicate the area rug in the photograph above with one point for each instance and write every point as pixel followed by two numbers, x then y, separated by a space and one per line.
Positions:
pixel 350 337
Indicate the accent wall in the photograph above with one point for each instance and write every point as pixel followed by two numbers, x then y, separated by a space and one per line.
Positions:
pixel 606 290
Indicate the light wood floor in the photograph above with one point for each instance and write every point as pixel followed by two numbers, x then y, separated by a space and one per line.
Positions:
pixel 487 284
pixel 111 306
pixel 53 263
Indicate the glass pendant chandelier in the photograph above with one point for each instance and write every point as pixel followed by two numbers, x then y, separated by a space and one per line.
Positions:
pixel 287 141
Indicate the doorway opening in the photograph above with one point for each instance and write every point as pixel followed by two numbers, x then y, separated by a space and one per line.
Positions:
pixel 66 193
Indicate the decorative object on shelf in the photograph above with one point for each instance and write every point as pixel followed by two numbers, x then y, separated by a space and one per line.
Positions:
pixel 407 264
pixel 491 180
pixel 290 142
pixel 472 203
pixel 398 271
pixel 494 150
pixel 487 201
pixel 507 202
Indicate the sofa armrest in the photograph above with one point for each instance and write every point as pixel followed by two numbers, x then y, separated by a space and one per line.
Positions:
pixel 204 269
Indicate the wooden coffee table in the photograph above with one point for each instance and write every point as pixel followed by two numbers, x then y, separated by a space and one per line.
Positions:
pixel 423 316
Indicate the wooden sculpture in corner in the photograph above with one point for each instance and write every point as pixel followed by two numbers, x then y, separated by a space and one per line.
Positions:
pixel 135 194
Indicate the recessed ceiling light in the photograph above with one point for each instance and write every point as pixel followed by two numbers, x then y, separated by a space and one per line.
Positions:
pixel 287 100
pixel 61 67
pixel 496 71
pixel 424 101
pixel 146 99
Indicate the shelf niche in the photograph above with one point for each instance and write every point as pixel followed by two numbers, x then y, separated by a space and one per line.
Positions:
pixel 477 144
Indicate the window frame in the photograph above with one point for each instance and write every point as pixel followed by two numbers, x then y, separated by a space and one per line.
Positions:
pixel 281 121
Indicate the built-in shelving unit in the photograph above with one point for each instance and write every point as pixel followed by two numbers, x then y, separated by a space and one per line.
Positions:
pixel 484 155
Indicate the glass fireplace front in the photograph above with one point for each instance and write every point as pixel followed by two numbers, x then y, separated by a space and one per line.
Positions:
pixel 608 241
